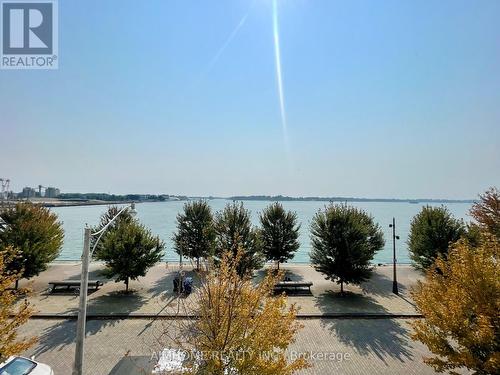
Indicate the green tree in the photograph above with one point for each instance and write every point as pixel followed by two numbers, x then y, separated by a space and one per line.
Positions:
pixel 234 231
pixel 195 236
pixel 460 301
pixel 36 234
pixel 432 231
pixel 129 250
pixel 279 233
pixel 125 217
pixel 344 240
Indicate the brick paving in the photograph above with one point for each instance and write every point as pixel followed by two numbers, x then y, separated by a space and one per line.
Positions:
pixel 375 346
pixel 348 346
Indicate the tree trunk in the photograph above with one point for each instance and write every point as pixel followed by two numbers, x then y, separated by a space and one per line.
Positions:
pixel 17 284
pixel 126 285
pixel 341 287
pixel 198 264
pixel 278 265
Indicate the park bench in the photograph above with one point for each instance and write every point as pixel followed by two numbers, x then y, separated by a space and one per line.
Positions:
pixel 296 287
pixel 68 284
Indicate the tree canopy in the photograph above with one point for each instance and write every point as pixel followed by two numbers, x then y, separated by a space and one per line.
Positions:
pixel 195 236
pixel 234 231
pixel 344 240
pixel 279 233
pixel 129 250
pixel 460 300
pixel 486 212
pixel 124 218
pixel 432 231
pixel 35 232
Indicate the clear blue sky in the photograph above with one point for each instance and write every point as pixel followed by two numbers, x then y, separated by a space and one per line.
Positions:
pixel 382 98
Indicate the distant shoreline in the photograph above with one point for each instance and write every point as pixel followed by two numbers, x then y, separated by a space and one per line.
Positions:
pixel 281 198
pixel 56 203
pixel 64 203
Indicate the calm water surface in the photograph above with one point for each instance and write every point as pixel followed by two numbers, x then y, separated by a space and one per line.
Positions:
pixel 160 217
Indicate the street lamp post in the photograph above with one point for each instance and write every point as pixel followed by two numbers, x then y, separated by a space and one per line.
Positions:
pixel 394 259
pixel 82 309
pixel 180 287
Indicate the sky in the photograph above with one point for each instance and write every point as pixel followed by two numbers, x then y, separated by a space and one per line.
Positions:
pixel 374 99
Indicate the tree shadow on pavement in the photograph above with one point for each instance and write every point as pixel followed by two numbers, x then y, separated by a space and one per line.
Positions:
pixel 117 302
pixel 133 365
pixel 382 337
pixel 63 333
pixel 332 302
pixel 163 287
pixel 380 284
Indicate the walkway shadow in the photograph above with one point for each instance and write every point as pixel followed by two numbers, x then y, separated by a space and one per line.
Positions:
pixel 59 335
pixel 380 284
pixel 163 286
pixel 381 337
pixel 117 302
pixel 56 336
pixel 333 302
pixel 385 337
pixel 133 365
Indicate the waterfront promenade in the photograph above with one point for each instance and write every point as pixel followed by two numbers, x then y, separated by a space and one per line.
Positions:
pixel 367 330
pixel 153 295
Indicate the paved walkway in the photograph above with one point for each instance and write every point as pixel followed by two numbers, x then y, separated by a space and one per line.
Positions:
pixel 153 293
pixel 336 346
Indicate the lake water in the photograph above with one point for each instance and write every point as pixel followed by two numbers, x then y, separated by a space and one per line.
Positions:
pixel 160 217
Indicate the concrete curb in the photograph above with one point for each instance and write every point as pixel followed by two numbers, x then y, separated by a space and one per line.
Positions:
pixel 118 316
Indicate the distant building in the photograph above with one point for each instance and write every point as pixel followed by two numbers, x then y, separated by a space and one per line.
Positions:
pixel 28 192
pixel 52 192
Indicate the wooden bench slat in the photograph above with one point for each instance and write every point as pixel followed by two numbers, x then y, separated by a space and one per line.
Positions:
pixel 294 284
pixel 74 282
pixel 95 284
pixel 285 286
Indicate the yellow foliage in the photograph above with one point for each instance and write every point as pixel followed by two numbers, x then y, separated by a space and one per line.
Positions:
pixel 10 317
pixel 460 301
pixel 243 327
pixel 486 211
